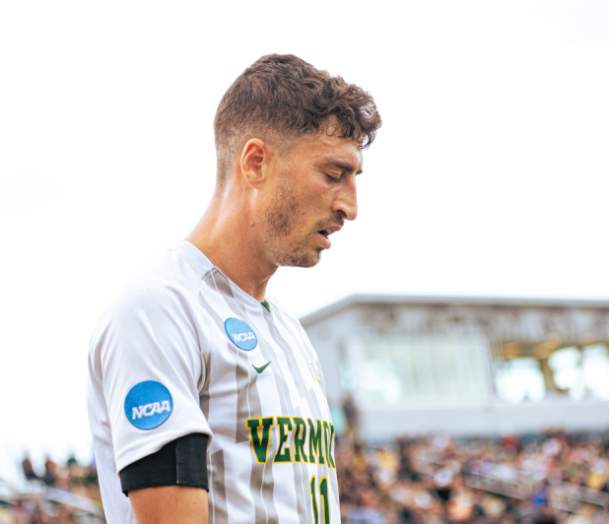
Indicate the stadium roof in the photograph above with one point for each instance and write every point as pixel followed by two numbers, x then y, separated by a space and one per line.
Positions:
pixel 428 300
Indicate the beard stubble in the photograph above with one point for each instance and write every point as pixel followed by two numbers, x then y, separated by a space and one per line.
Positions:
pixel 282 217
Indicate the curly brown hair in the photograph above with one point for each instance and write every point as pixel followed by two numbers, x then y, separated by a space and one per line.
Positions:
pixel 284 96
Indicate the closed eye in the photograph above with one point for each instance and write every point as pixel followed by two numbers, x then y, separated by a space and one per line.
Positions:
pixel 334 177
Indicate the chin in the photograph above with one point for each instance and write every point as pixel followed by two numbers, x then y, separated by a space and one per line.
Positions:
pixel 301 259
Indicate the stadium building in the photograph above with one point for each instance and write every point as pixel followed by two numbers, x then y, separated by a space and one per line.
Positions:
pixel 465 366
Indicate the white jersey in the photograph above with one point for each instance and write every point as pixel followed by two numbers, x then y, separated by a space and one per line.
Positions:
pixel 185 350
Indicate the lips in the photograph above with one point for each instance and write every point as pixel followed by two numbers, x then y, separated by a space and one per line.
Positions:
pixel 324 240
pixel 325 232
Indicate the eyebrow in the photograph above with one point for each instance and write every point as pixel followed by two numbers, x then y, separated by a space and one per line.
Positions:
pixel 344 166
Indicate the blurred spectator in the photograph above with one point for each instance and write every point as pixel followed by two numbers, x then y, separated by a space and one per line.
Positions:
pixel 351 418
pixel 545 516
pixel 50 472
pixel 28 469
pixel 72 462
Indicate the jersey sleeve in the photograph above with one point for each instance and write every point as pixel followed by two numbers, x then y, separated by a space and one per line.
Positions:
pixel 149 365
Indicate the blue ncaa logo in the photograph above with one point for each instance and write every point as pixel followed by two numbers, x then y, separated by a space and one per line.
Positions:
pixel 148 404
pixel 240 334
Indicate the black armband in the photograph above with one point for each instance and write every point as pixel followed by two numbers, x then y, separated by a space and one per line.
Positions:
pixel 181 462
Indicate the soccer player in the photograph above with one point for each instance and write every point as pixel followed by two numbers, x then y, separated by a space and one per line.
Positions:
pixel 206 400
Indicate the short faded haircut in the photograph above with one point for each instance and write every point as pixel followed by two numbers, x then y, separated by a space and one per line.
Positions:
pixel 283 97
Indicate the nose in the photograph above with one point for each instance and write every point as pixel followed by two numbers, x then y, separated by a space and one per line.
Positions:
pixel 345 203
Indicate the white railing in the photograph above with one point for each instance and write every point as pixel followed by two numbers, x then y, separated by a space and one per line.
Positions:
pixel 563 496
pixel 85 510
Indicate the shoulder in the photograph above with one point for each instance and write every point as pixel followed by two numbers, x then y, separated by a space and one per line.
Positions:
pixel 162 295
pixel 150 323
pixel 165 284
pixel 141 300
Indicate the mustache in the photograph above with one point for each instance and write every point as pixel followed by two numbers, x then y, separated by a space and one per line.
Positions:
pixel 337 221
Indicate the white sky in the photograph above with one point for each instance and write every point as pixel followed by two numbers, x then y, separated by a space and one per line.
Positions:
pixel 489 176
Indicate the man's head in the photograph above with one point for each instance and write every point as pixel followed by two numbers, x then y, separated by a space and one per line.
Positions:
pixel 293 136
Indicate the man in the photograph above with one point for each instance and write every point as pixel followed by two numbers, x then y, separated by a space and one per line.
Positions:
pixel 206 400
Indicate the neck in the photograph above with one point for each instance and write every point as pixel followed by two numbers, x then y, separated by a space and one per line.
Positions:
pixel 227 236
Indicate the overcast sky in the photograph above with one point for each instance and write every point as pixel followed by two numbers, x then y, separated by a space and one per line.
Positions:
pixel 488 177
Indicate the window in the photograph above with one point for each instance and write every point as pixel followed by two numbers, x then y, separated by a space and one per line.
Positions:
pixel 519 379
pixel 422 370
pixel 566 367
pixel 595 370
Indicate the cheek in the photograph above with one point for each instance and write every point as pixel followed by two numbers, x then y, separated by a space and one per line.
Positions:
pixel 284 214
pixel 279 220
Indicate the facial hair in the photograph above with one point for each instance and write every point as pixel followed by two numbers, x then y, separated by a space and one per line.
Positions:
pixel 283 215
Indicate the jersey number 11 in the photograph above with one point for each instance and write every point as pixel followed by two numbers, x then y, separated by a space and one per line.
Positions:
pixel 323 492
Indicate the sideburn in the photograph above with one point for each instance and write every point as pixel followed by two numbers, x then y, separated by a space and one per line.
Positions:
pixel 280 215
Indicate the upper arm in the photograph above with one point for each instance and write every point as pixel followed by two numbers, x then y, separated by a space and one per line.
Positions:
pixel 170 504
pixel 149 368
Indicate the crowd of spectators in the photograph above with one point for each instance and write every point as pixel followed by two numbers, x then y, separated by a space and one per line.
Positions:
pixel 546 479
pixel 58 494
pixel 555 478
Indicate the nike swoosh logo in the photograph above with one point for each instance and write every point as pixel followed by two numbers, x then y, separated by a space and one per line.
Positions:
pixel 261 368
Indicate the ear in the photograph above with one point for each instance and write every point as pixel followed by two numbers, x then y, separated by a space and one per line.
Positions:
pixel 253 160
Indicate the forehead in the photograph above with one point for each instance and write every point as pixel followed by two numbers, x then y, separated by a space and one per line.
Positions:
pixel 324 147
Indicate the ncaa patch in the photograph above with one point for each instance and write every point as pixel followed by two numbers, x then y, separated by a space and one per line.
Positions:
pixel 240 334
pixel 148 404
